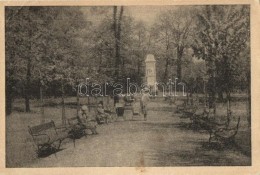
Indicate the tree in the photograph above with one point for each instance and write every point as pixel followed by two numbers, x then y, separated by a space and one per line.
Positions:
pixel 104 49
pixel 117 32
pixel 222 33
pixel 17 67
pixel 138 49
pixel 174 30
pixel 181 32
pixel 48 46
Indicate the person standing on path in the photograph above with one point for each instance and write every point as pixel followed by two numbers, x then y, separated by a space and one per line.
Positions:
pixel 144 102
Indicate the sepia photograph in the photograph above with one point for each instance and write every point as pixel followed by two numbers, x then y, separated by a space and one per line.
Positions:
pixel 127 86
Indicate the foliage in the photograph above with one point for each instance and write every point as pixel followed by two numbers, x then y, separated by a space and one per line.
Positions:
pixel 54 47
pixel 222 35
pixel 41 45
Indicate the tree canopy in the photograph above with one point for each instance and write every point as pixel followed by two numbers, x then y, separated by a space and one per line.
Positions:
pixel 51 47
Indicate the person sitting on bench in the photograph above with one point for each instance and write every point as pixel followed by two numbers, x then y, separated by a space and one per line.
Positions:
pixel 86 121
pixel 102 114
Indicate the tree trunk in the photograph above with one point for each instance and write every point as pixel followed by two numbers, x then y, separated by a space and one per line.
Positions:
pixel 228 107
pixel 9 93
pixel 9 103
pixel 165 78
pixel 119 64
pixel 179 62
pixel 205 94
pixel 108 104
pixel 249 98
pixel 29 66
pixel 27 87
pixel 166 70
pixel 214 91
pixel 78 106
pixel 42 105
pixel 9 83
pixel 117 58
pixel 212 87
pixel 220 95
pixel 77 98
pixel 63 117
pixel 88 104
pixel 119 40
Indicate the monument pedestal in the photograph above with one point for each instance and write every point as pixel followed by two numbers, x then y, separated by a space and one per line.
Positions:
pixel 150 72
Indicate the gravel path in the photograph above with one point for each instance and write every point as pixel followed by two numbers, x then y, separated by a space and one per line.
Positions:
pixel 163 140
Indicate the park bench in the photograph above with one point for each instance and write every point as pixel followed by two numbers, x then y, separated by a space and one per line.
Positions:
pixel 188 111
pixel 110 110
pixel 101 118
pixel 128 100
pixel 112 114
pixel 224 135
pixel 170 99
pixel 203 121
pixel 47 137
pixel 181 107
pixel 199 120
pixel 76 129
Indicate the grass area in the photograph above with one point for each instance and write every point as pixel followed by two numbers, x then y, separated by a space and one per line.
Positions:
pixel 19 144
pixel 17 135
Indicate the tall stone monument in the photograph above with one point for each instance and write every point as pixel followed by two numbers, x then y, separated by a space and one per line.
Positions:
pixel 150 70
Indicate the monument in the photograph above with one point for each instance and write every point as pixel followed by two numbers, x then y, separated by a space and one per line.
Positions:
pixel 150 71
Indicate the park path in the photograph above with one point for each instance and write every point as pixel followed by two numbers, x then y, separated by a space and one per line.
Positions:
pixel 163 140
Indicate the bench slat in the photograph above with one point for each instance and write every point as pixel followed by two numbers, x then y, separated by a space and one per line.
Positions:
pixel 39 128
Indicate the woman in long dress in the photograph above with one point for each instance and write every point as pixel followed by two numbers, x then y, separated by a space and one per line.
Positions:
pixel 144 102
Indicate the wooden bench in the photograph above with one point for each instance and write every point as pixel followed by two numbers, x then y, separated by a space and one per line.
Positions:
pixel 199 120
pixel 181 107
pixel 101 118
pixel 203 121
pixel 128 100
pixel 224 135
pixel 188 111
pixel 77 130
pixel 46 135
pixel 111 111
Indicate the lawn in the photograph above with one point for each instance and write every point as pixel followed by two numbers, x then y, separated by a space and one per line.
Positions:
pixel 20 149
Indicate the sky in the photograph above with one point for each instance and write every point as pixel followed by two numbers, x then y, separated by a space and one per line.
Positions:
pixel 146 14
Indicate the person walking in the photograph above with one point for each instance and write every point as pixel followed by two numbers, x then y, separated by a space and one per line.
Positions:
pixel 144 102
